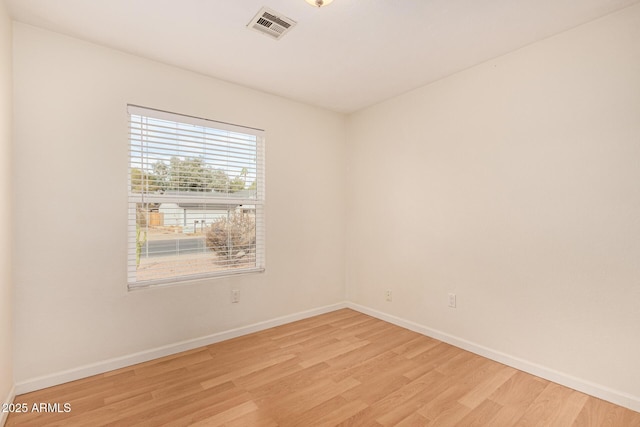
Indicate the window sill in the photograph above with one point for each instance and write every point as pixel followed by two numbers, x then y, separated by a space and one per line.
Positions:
pixel 162 283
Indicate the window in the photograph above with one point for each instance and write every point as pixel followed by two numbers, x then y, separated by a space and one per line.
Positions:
pixel 196 198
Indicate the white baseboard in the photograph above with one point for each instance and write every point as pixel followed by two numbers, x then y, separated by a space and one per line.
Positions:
pixel 7 401
pixel 596 390
pixel 144 356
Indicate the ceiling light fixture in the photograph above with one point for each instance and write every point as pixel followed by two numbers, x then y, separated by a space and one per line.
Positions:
pixel 318 3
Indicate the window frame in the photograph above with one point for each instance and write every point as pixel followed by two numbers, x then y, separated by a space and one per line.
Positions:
pixel 188 197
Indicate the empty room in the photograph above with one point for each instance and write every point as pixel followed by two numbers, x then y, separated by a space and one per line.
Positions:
pixel 307 212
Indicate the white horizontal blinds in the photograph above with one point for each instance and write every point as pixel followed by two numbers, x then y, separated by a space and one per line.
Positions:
pixel 196 195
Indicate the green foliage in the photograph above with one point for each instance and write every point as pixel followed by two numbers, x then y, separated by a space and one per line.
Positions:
pixel 141 214
pixel 188 174
pixel 141 239
pixel 219 180
pixel 141 230
pixel 233 239
pixel 236 184
pixel 143 182
pixel 239 183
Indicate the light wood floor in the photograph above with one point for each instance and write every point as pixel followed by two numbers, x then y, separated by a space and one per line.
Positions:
pixel 341 368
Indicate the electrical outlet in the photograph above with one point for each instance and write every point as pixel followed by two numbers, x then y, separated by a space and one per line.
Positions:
pixel 452 300
pixel 235 296
pixel 388 296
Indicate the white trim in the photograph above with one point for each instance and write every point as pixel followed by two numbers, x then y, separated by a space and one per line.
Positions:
pixel 225 148
pixel 144 356
pixel 614 396
pixel 171 281
pixel 137 110
pixel 7 401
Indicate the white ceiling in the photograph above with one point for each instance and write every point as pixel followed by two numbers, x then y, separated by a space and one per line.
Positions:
pixel 345 56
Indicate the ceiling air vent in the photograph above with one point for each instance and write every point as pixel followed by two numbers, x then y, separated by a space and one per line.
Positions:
pixel 271 23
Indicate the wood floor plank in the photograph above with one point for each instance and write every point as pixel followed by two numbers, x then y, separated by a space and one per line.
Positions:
pixel 330 352
pixel 413 420
pixel 407 399
pixel 304 336
pixel 374 387
pixel 340 368
pixel 360 360
pixel 133 387
pixel 432 359
pixel 376 328
pixel 351 322
pixel 449 415
pixel 486 388
pixel 269 374
pixel 145 371
pixel 598 413
pixel 245 370
pixel 416 346
pixel 480 415
pixel 515 396
pixel 520 390
pixel 457 384
pixel 226 416
pixel 181 410
pixel 306 417
pixel 570 409
pixel 360 419
pixel 294 404
pixel 259 417
pixel 548 409
pixel 360 328
pixel 290 383
pixel 339 415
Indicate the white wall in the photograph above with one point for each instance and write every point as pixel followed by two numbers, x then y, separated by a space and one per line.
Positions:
pixel 70 159
pixel 515 185
pixel 6 288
